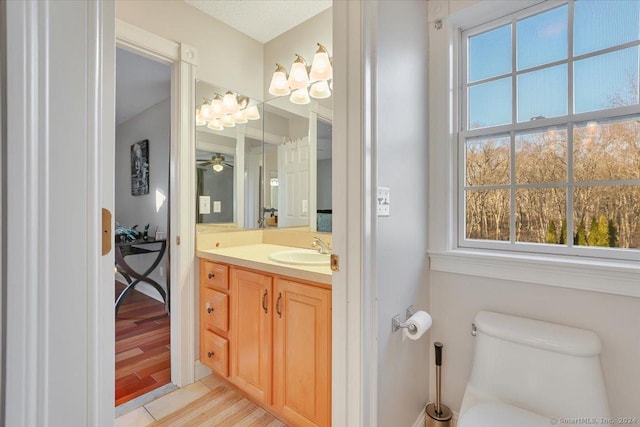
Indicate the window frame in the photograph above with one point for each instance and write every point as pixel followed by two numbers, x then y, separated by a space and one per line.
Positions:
pixel 568 121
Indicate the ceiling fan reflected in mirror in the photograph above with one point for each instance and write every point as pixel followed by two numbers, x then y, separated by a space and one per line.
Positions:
pixel 217 161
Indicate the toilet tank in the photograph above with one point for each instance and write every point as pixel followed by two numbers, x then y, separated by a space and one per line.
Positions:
pixel 545 368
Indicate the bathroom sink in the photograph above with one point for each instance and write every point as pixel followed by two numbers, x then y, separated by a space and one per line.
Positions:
pixel 300 257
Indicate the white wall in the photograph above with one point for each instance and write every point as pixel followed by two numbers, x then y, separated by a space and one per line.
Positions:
pixel 401 248
pixel 226 57
pixel 456 298
pixel 153 124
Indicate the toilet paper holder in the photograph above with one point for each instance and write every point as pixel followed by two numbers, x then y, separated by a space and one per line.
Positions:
pixel 396 323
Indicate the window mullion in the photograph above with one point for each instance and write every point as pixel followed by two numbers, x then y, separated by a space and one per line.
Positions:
pixel 570 111
pixel 514 120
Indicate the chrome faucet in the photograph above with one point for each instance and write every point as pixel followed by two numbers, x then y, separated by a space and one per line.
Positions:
pixel 323 247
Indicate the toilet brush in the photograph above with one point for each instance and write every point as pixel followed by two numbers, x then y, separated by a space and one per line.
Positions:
pixel 438 415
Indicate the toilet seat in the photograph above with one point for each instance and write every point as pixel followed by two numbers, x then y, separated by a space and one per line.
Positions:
pixel 494 414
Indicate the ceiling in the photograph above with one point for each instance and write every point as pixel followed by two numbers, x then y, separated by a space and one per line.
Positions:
pixel 262 20
pixel 140 83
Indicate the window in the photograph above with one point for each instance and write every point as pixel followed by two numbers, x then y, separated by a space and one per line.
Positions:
pixel 549 145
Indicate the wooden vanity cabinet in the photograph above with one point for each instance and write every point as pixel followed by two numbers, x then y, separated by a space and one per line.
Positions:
pixel 276 333
pixel 302 353
pixel 214 316
pixel 251 326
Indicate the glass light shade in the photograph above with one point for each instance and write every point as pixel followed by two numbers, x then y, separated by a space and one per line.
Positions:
pixel 216 108
pixel 320 90
pixel 215 124
pixel 230 104
pixel 199 120
pixel 240 117
pixel 227 121
pixel 253 113
pixel 298 79
pixel 218 167
pixel 300 97
pixel 279 85
pixel 205 112
pixel 321 68
pixel 331 83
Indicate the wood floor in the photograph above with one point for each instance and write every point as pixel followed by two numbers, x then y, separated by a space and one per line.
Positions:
pixel 143 355
pixel 221 407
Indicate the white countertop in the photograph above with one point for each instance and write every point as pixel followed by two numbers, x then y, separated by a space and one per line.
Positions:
pixel 257 257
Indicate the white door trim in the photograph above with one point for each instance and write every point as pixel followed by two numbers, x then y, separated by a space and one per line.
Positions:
pixel 183 60
pixel 51 321
pixel 354 361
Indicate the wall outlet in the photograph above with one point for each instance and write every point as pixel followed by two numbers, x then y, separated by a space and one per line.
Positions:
pixel 384 201
pixel 205 205
pixel 305 206
pixel 217 206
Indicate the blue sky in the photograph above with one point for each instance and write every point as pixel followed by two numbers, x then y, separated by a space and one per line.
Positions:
pixel 542 39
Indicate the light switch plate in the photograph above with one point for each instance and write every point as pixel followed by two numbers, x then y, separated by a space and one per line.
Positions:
pixel 217 206
pixel 384 201
pixel 205 205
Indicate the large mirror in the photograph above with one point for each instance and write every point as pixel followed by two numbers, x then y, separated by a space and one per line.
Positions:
pixel 228 158
pixel 297 164
pixel 274 171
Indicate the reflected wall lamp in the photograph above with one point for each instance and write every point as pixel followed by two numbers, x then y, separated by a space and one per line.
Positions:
pixel 225 111
pixel 304 81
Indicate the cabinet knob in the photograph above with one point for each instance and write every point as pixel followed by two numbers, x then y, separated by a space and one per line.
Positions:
pixel 211 276
pixel 210 354
pixel 209 310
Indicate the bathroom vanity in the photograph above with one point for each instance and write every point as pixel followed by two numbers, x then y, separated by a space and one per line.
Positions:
pixel 266 328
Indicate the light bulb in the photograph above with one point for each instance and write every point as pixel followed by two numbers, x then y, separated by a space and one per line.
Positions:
pixel 279 84
pixel 321 68
pixel 218 167
pixel 320 90
pixel 300 97
pixel 253 113
pixel 215 124
pixel 298 79
pixel 229 103
pixel 216 107
pixel 240 117
pixel 227 121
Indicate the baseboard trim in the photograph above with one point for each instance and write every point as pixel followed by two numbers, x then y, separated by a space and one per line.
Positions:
pixel 420 421
pixel 201 371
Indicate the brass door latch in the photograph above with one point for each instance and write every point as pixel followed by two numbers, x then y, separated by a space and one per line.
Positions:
pixel 335 262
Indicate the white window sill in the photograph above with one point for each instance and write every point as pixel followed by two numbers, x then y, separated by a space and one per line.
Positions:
pixel 588 274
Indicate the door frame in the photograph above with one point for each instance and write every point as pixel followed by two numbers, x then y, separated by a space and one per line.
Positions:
pixel 182 59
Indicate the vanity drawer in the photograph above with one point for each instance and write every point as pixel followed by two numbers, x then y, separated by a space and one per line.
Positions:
pixel 215 353
pixel 214 275
pixel 215 309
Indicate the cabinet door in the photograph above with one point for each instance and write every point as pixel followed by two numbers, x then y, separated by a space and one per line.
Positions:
pixel 251 333
pixel 302 353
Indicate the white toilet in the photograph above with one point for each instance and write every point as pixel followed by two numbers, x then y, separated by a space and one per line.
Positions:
pixel 528 373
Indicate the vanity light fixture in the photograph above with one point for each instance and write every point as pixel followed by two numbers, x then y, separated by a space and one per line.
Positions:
pixel 315 81
pixel 220 113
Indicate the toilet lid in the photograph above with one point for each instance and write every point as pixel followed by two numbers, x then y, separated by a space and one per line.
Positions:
pixel 495 414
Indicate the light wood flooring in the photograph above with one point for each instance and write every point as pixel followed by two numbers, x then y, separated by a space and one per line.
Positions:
pixel 222 406
pixel 143 355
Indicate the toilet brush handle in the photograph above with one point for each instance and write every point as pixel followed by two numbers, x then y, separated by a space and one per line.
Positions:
pixel 438 346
